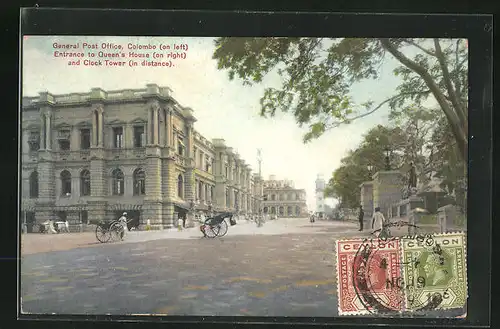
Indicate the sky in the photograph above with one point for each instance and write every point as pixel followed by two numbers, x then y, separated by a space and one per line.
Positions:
pixel 224 109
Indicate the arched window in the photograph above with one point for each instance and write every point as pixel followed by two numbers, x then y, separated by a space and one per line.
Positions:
pixel 139 182
pixel 282 210
pixel 289 211
pixel 34 185
pixel 85 182
pixel 65 183
pixel 266 209
pixel 118 182
pixel 180 186
pixel 273 210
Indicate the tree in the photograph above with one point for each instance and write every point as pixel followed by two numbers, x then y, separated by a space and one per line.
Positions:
pixel 354 170
pixel 317 75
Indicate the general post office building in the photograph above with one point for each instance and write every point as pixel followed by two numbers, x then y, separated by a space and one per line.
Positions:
pixel 90 156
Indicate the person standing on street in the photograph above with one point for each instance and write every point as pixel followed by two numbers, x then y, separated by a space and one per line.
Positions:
pixel 361 217
pixel 378 222
pixel 123 222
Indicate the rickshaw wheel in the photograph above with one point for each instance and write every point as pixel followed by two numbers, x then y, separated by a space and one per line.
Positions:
pixel 102 234
pixel 117 232
pixel 211 231
pixel 222 227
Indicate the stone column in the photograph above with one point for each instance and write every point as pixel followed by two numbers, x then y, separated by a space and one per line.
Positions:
pixel 48 134
pixel 43 132
pixel 156 125
pixel 150 127
pixel 94 129
pixel 189 174
pixel 153 201
pixel 386 189
pixel 171 128
pixel 170 192
pixel 100 134
pixel 47 189
pixel 166 127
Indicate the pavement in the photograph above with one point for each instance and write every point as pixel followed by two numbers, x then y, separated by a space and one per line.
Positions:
pixel 285 268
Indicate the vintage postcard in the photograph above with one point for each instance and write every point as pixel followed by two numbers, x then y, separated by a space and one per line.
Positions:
pixel 227 176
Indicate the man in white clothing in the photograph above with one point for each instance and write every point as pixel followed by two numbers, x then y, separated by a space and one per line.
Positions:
pixel 378 222
pixel 123 221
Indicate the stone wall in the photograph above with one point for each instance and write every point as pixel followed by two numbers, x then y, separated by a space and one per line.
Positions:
pixel 386 190
pixel 367 198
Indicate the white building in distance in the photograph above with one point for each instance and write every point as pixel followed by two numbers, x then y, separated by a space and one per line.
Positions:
pixel 320 195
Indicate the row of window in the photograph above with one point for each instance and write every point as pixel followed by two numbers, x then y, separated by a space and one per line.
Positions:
pixel 117 183
pixel 64 139
pixel 281 210
pixel 282 197
pixel 117 177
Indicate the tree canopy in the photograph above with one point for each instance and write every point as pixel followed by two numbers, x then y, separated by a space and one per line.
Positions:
pixel 317 75
pixel 418 135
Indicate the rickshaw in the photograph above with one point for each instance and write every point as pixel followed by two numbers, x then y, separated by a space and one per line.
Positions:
pixel 106 231
pixel 217 225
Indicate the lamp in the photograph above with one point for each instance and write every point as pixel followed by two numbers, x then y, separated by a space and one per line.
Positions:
pixel 370 169
pixel 387 158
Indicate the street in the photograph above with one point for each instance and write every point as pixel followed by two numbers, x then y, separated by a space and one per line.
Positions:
pixel 285 268
pixel 251 271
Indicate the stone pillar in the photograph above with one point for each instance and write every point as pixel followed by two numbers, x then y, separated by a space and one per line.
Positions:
pixel 100 133
pixel 167 128
pixel 171 128
pixel 155 125
pixel 367 199
pixel 94 128
pixel 98 174
pixel 152 202
pixel 169 180
pixel 386 189
pixel 189 180
pixel 46 188
pixel 48 133
pixel 43 139
pixel 150 127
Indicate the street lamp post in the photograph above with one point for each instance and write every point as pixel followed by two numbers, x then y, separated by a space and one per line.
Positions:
pixel 370 171
pixel 387 158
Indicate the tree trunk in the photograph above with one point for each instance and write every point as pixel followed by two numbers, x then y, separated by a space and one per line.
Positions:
pixel 459 130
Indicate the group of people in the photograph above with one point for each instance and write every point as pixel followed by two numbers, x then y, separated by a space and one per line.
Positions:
pixel 377 224
pixel 54 227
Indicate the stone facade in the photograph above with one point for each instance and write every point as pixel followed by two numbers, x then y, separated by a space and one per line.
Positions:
pixel 367 198
pixel 386 190
pixel 90 156
pixel 283 199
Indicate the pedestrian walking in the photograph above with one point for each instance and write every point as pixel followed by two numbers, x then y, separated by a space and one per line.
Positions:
pixel 361 217
pixel 123 221
pixel 378 221
pixel 184 221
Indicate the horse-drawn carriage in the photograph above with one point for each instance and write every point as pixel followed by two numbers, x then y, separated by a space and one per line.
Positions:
pixel 217 226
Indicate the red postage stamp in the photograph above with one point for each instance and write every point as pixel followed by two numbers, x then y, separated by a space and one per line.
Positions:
pixel 368 273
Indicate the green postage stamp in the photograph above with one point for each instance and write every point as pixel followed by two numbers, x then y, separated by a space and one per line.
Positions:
pixel 435 271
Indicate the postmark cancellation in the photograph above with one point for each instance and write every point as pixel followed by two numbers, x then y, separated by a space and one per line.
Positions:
pixel 437 266
pixel 399 275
